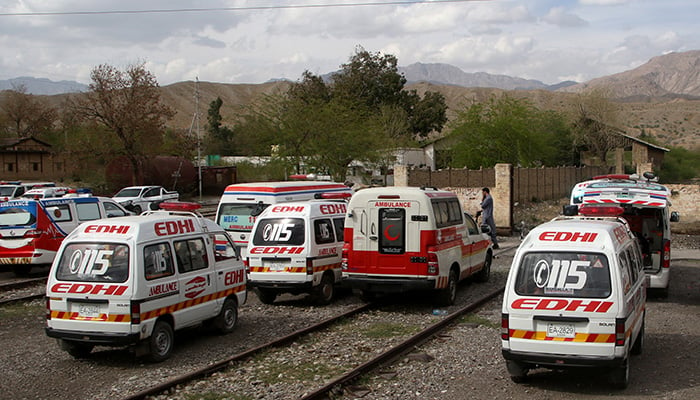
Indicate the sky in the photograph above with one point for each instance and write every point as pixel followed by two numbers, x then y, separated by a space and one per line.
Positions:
pixel 254 41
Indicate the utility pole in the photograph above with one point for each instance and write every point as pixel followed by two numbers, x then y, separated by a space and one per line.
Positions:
pixel 199 139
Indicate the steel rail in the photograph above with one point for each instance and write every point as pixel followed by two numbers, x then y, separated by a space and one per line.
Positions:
pixel 23 298
pixel 224 364
pixel 400 349
pixel 20 283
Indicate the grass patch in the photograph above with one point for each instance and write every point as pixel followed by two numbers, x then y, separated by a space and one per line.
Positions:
pixel 389 330
pixel 291 371
pixel 476 319
pixel 21 309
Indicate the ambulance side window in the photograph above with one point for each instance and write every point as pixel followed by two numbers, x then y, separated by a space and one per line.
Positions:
pixel 339 224
pixel 191 255
pixel 87 211
pixel 59 212
pixel 223 248
pixel 158 261
pixel 625 271
pixel 324 231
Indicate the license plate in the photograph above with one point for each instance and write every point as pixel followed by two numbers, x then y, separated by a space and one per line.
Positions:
pixel 88 310
pixel 276 266
pixel 561 330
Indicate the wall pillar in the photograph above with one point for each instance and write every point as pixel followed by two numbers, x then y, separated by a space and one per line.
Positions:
pixel 502 195
pixel 400 175
pixel 619 160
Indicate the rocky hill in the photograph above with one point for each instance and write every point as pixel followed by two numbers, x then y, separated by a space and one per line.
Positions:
pixel 671 75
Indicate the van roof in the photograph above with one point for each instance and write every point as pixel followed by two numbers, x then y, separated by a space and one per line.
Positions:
pixel 283 188
pixel 150 226
pixel 579 233
pixel 306 208
pixel 396 192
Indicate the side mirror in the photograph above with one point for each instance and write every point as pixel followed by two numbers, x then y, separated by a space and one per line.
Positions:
pixel 485 229
pixel 675 217
pixel 259 208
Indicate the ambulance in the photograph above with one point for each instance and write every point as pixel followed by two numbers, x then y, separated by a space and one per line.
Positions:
pixel 400 239
pixel 646 206
pixel 133 281
pixel 242 202
pixel 32 230
pixel 295 247
pixel 575 297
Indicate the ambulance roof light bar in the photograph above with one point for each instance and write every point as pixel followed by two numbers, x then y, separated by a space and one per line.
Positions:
pixel 307 177
pixel 180 206
pixel 600 211
pixel 333 196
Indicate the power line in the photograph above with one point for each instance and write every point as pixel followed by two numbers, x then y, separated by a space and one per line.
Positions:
pixel 246 8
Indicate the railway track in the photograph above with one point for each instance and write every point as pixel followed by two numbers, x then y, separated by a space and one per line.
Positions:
pixel 341 379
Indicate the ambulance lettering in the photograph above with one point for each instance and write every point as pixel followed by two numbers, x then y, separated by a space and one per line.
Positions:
pixel 115 229
pixel 276 250
pixel 233 277
pixel 393 204
pixel 88 288
pixel 568 236
pixel 333 209
pixel 562 304
pixel 90 262
pixel 277 232
pixel 285 209
pixel 174 227
pixel 195 287
pixel 562 275
pixel 163 288
pixel 328 251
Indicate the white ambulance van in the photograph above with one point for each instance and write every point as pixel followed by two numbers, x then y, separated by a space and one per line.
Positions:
pixel 575 297
pixel 242 202
pixel 401 239
pixel 295 248
pixel 646 208
pixel 135 280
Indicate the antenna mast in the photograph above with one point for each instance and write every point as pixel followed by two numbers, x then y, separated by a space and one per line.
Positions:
pixel 199 139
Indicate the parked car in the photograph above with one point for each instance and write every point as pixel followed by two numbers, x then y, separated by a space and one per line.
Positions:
pixel 140 198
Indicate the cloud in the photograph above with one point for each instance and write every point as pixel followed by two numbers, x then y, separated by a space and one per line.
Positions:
pixel 558 16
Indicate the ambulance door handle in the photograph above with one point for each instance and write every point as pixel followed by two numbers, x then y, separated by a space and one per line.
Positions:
pixel 208 280
pixel 373 237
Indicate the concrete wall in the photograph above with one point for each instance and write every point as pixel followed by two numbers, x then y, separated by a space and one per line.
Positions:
pixel 685 199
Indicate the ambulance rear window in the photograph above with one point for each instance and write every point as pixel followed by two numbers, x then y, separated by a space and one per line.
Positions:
pixel 238 217
pixel 16 216
pixel 549 274
pixel 279 232
pixel 94 262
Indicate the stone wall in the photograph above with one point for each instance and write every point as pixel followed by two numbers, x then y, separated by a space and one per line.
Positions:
pixel 685 199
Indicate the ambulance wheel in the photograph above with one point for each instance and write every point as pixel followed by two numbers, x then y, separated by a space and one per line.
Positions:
pixel 485 273
pixel 448 295
pixel 228 317
pixel 620 376
pixel 161 342
pixel 517 371
pixel 324 291
pixel 77 350
pixel 638 345
pixel 267 296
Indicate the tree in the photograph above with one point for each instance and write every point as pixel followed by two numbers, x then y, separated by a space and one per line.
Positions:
pixel 128 104
pixel 25 115
pixel 595 123
pixel 508 130
pixel 220 140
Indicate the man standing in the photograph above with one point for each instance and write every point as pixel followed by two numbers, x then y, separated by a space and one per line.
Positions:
pixel 487 214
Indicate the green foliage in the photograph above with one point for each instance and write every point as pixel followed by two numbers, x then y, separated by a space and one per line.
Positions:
pixel 389 330
pixel 220 139
pixel 509 130
pixel 680 165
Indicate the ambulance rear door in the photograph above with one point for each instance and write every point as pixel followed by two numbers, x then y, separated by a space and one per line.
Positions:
pixel 392 237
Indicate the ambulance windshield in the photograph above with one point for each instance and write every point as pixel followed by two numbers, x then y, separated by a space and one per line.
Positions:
pixel 563 275
pixel 238 216
pixel 94 262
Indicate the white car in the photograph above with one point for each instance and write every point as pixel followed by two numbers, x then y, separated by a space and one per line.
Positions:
pixel 140 198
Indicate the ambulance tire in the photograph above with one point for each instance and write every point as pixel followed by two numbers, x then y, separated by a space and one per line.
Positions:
pixel 517 371
pixel 483 275
pixel 324 292
pixel 267 296
pixel 161 342
pixel 620 376
pixel 447 296
pixel 638 345
pixel 77 350
pixel 226 321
